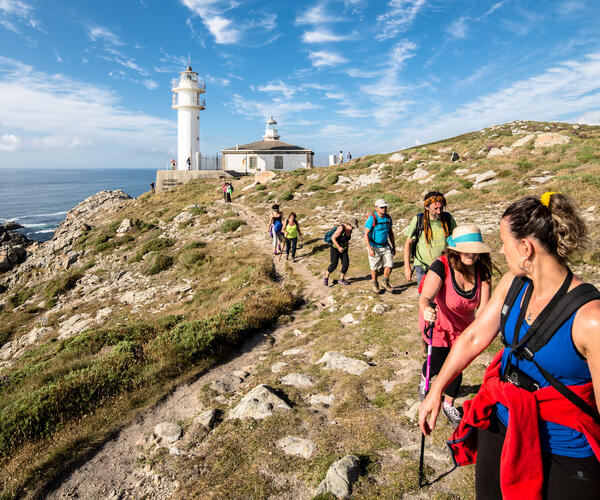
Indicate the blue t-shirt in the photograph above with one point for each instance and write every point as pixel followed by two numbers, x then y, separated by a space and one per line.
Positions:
pixel 561 359
pixel 378 236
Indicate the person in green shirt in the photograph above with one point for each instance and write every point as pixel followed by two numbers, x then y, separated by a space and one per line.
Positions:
pixel 429 230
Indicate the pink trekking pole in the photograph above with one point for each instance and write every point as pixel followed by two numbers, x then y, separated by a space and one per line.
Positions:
pixel 429 332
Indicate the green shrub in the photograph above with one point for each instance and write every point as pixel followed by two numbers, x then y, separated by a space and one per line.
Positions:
pixel 191 259
pixel 154 245
pixel 196 210
pixel 260 187
pixel 194 245
pixel 286 195
pixel 142 226
pixel 315 187
pixel 465 183
pixel 158 263
pixel 19 298
pixel 331 179
pixel 586 155
pixel 62 284
pixel 231 225
pixel 113 243
pixel 524 165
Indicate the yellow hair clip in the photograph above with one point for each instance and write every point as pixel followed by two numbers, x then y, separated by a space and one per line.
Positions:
pixel 545 198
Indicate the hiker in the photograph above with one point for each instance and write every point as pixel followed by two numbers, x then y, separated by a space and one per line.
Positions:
pixel 339 239
pixel 275 227
pixel 152 187
pixel 228 192
pixel 341 157
pixel 348 156
pixel 224 188
pixel 426 236
pixel 381 244
pixel 534 427
pixel 291 232
pixel 189 163
pixel 459 282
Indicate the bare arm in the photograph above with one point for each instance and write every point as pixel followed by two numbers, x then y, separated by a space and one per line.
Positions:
pixel 486 292
pixel 431 286
pixel 407 268
pixel 477 336
pixel 392 239
pixel 335 236
pixel 587 341
pixel 369 248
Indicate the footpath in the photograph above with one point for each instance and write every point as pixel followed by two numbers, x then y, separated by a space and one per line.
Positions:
pixel 332 383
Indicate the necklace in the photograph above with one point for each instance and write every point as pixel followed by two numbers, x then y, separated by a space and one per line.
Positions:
pixel 528 317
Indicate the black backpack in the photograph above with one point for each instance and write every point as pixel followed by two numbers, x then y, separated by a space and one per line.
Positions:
pixel 446 217
pixel 558 310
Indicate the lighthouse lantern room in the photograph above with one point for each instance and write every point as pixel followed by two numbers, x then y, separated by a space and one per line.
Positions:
pixel 187 102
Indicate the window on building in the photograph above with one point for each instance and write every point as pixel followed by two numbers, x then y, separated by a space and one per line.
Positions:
pixel 278 162
pixel 252 162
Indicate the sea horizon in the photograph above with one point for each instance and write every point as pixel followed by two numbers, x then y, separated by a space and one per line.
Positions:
pixel 40 202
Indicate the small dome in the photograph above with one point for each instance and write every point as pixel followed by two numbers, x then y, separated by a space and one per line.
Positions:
pixel 271 121
pixel 189 68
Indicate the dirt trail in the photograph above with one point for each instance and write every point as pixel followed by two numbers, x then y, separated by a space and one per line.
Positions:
pixel 113 472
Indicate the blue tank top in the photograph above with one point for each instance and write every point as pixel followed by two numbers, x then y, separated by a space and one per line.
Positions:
pixel 559 357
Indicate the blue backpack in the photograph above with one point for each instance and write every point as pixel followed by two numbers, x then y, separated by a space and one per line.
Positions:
pixel 329 234
pixel 277 225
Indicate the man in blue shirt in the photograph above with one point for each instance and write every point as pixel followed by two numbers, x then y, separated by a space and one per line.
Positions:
pixel 381 244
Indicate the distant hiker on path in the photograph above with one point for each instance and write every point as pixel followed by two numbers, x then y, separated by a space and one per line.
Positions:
pixel 291 232
pixel 348 156
pixel 152 187
pixel 533 428
pixel 458 283
pixel 224 187
pixel 426 236
pixel 228 192
pixel 189 163
pixel 381 244
pixel 339 239
pixel 275 227
pixel 341 157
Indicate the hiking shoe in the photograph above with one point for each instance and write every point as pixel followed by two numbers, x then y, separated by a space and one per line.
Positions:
pixel 375 285
pixel 452 414
pixel 343 282
pixel 387 286
pixel 326 281
pixel 421 389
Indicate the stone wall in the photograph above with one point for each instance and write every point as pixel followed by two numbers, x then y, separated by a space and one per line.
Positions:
pixel 168 179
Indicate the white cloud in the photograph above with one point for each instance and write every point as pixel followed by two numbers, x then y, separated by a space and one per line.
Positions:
pixel 51 112
pixel 570 6
pixel 225 29
pixel 9 142
pixel 324 58
pixel 58 58
pixel 118 57
pixel 282 108
pixel 321 35
pixel 589 118
pixel 316 14
pixel 103 34
pixel 12 11
pixel 223 82
pixel 458 28
pixel 399 17
pixel 278 87
pixel 150 84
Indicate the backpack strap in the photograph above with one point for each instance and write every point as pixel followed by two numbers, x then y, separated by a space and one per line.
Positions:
pixel 419 227
pixel 511 297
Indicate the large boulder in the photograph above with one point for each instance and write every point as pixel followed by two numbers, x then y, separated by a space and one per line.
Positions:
pixel 295 446
pixel 259 403
pixel 550 139
pixel 337 361
pixel 340 477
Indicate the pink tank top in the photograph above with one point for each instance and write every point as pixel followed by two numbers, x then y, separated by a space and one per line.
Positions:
pixel 454 312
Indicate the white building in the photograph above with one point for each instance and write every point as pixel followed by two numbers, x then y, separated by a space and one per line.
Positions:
pixel 268 154
pixel 187 102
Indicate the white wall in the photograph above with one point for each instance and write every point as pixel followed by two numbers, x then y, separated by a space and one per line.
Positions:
pixel 236 162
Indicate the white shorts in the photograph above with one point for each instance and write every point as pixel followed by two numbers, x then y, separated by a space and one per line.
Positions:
pixel 383 258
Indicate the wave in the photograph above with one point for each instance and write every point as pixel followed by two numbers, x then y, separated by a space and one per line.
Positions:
pixel 31 226
pixel 44 215
pixel 45 231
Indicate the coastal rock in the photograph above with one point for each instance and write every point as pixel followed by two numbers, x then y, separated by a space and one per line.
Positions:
pixel 279 366
pixel 259 403
pixel 322 399
pixel 419 174
pixel 340 477
pixel 342 180
pixel 494 152
pixel 206 418
pixel 454 156
pixel 367 179
pixel 124 227
pixel 297 380
pixel 396 158
pixel 298 447
pixel 452 192
pixel 337 361
pixel 227 384
pixel 74 325
pixel 484 177
pixel 522 141
pixel 348 319
pixel 550 139
pixel 168 432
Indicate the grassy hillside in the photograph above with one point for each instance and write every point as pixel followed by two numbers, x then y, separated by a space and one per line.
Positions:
pixel 140 313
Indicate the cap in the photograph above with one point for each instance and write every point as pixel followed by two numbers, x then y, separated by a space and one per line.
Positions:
pixel 381 203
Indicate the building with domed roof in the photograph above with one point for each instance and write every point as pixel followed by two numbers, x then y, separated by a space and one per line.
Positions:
pixel 268 154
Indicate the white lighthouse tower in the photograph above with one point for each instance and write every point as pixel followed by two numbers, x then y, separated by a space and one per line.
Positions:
pixel 187 102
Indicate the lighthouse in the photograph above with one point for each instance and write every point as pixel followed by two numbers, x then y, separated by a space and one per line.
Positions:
pixel 187 102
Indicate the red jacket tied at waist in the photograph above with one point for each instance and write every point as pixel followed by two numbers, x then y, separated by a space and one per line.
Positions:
pixel 521 473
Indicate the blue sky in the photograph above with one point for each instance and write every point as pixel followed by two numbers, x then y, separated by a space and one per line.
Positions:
pixel 87 84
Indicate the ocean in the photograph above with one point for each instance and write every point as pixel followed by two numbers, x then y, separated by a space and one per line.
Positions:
pixel 39 199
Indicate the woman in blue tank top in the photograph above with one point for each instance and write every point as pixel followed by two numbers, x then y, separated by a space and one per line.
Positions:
pixel 538 235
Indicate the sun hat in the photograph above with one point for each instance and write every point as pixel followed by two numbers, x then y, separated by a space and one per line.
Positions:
pixel 353 222
pixel 381 203
pixel 467 239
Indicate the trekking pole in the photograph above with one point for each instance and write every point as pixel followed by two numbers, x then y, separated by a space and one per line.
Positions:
pixel 429 333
